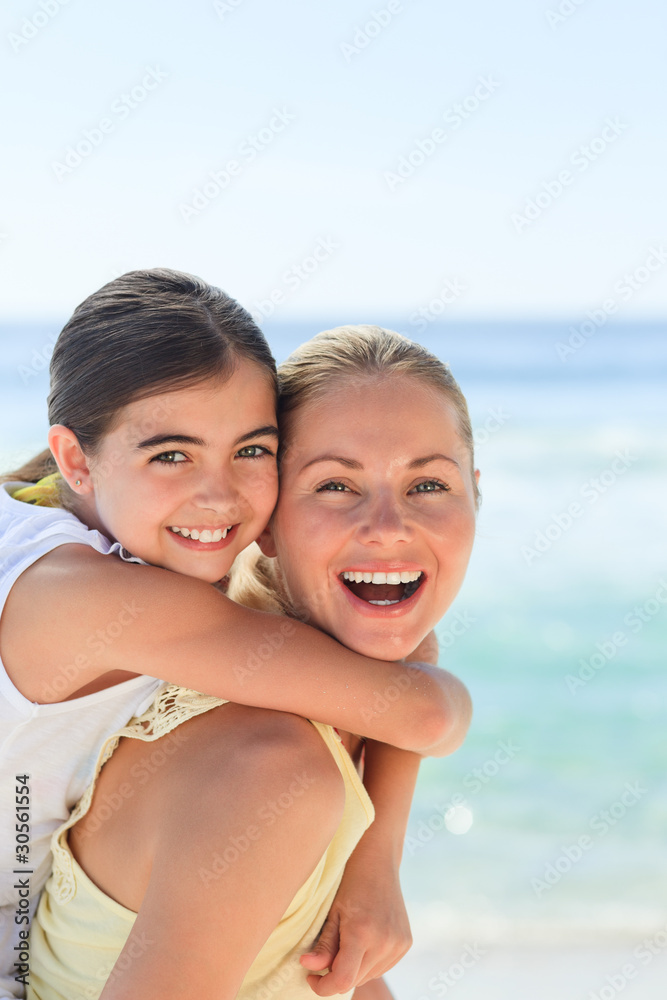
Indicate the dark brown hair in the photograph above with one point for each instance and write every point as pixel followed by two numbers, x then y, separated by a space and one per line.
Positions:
pixel 144 333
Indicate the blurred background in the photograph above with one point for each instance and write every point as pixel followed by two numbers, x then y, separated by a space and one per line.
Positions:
pixel 489 180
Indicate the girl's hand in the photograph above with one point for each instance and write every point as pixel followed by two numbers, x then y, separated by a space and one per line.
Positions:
pixel 367 930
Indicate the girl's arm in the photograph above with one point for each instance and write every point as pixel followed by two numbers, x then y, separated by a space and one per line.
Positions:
pixel 367 930
pixel 76 615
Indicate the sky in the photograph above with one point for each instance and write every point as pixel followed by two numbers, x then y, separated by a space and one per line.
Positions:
pixel 479 160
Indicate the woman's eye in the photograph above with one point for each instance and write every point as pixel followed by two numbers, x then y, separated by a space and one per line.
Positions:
pixel 431 486
pixel 253 451
pixel 169 457
pixel 332 487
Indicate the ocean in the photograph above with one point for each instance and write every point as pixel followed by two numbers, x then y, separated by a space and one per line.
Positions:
pixel 535 859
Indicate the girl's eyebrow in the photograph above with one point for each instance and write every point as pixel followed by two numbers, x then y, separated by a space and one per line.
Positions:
pixel 160 439
pixel 350 463
pixel 170 439
pixel 271 430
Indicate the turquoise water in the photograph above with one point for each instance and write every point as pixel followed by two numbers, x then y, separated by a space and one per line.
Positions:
pixel 546 599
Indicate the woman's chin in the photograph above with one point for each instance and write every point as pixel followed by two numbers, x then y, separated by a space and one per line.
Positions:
pixel 378 647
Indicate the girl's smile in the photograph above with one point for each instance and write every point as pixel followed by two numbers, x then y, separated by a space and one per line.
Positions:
pixel 376 515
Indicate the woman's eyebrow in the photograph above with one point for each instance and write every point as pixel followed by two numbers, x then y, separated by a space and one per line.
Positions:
pixel 349 463
pixel 416 463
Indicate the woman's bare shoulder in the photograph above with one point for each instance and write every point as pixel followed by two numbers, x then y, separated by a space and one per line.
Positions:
pixel 187 784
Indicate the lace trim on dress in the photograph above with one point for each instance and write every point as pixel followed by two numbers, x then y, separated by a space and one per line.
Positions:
pixel 172 706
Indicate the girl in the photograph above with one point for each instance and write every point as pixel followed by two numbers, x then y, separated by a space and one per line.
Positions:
pixel 153 362
pixel 372 536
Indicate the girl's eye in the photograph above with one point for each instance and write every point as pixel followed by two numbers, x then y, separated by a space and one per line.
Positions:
pixel 332 487
pixel 254 451
pixel 431 486
pixel 169 458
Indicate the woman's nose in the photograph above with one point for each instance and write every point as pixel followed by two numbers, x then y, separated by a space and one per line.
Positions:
pixel 384 522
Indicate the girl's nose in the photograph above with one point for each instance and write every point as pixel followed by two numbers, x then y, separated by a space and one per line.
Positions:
pixel 219 493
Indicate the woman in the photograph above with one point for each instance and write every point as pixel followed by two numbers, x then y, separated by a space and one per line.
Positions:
pixel 372 533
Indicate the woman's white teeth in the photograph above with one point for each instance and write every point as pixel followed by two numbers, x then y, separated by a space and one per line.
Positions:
pixel 206 535
pixel 404 577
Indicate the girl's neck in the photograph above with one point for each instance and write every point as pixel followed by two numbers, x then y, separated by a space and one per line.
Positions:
pixel 84 508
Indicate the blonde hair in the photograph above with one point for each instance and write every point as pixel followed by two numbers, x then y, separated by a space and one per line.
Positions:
pixel 347 352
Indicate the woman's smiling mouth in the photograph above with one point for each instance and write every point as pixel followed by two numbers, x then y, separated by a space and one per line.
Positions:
pixel 382 589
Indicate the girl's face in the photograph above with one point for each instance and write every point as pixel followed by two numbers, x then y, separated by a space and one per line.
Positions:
pixel 376 515
pixel 188 478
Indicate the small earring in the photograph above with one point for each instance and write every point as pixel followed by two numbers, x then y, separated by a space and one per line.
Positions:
pixel 78 482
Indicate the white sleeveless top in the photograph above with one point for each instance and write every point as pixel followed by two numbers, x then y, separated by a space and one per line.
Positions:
pixel 56 745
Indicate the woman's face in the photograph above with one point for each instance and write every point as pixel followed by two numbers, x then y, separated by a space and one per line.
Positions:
pixel 376 515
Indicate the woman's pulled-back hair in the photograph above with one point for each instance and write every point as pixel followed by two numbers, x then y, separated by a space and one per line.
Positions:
pixel 347 352
pixel 144 333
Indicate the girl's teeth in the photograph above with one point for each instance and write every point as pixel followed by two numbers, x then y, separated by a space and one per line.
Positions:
pixel 205 535
pixel 384 603
pixel 406 576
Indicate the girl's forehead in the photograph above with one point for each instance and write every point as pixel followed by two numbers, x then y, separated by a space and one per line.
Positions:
pixel 246 381
pixel 246 396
